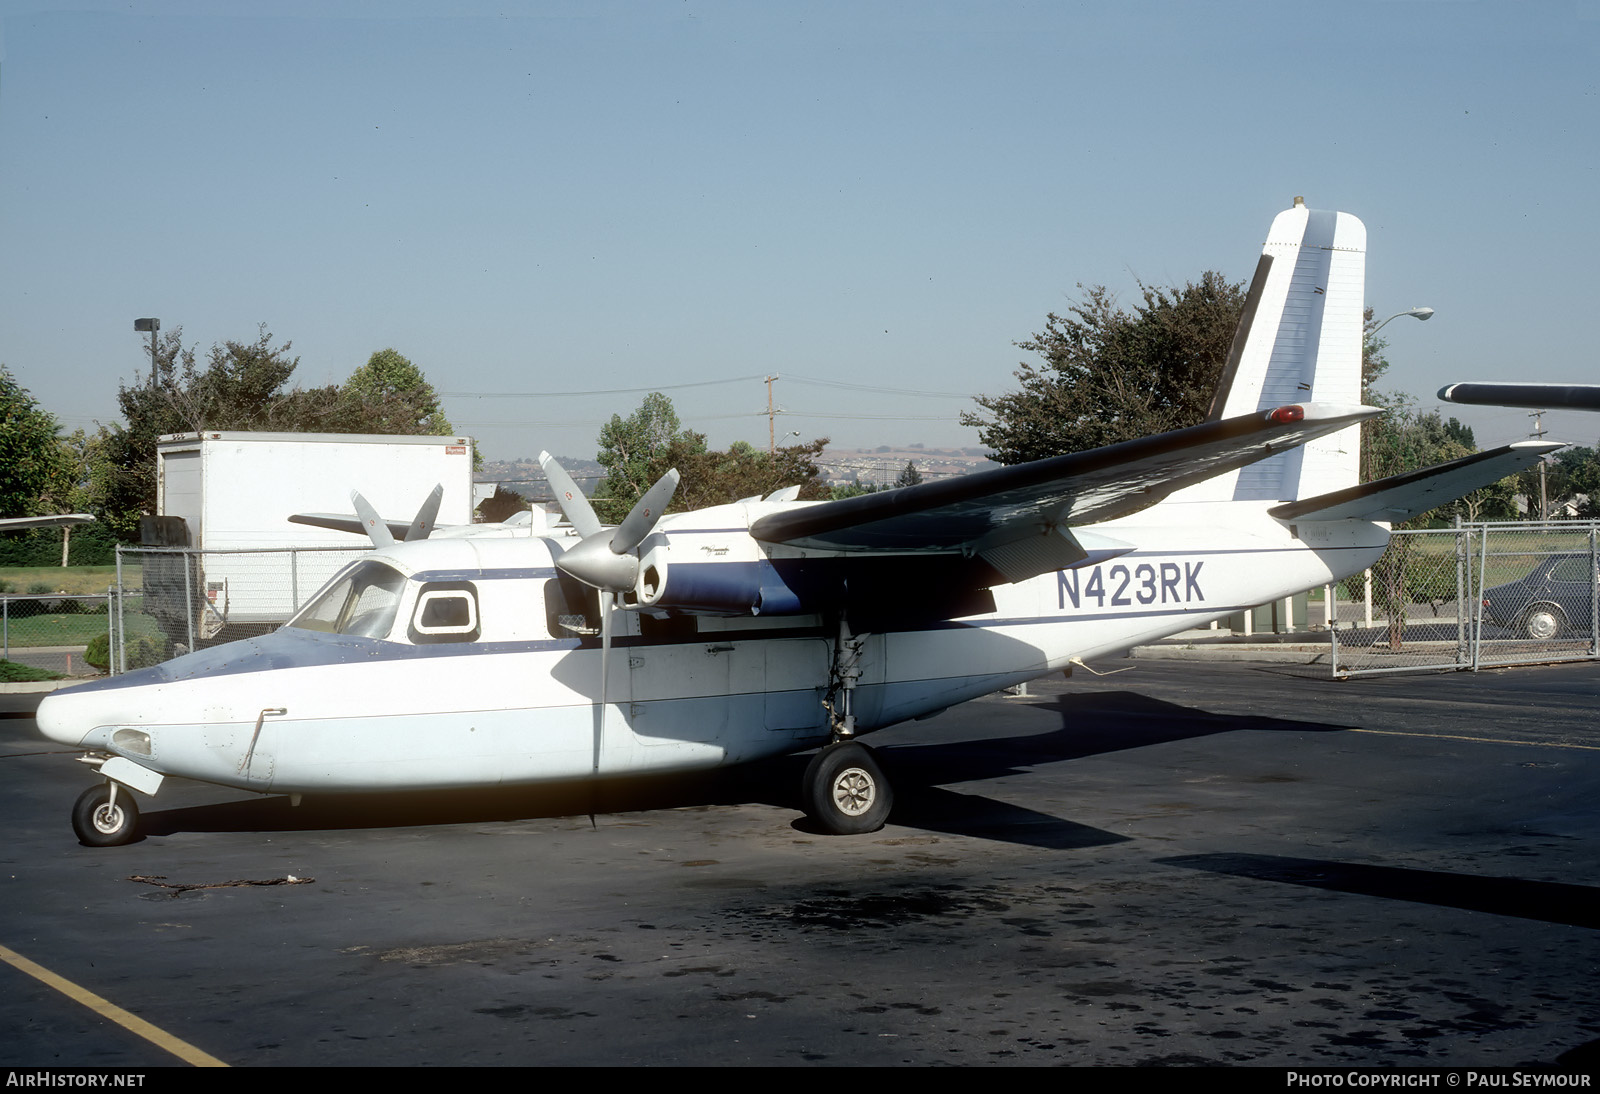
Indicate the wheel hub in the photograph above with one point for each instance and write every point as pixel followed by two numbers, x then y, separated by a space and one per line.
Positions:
pixel 108 819
pixel 854 792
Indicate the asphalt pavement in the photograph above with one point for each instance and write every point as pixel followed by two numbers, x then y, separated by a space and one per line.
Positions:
pixel 1191 862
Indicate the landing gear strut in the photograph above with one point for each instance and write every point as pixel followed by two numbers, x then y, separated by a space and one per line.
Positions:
pixel 844 790
pixel 105 815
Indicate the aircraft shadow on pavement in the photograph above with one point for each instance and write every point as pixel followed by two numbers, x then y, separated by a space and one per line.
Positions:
pixel 1091 724
pixel 1547 901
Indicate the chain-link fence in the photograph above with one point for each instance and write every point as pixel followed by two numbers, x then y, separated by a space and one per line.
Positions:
pixel 1479 595
pixel 176 599
pixel 59 632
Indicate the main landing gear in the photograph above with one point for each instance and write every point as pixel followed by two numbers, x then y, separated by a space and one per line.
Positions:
pixel 844 790
pixel 105 815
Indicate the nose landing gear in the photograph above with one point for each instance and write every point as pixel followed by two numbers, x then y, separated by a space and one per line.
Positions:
pixel 105 815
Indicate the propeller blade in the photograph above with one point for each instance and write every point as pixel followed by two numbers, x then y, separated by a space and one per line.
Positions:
pixel 376 529
pixel 637 524
pixel 574 506
pixel 424 521
pixel 607 602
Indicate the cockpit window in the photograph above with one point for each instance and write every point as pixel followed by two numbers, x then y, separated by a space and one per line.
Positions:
pixel 360 601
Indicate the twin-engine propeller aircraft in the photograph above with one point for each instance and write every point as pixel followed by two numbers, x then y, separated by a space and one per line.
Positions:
pixel 502 656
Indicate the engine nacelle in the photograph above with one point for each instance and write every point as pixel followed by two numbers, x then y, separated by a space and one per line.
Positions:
pixel 713 588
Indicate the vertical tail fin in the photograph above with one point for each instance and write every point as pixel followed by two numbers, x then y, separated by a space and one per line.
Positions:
pixel 1299 340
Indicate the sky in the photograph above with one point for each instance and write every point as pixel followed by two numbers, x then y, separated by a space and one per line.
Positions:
pixel 872 201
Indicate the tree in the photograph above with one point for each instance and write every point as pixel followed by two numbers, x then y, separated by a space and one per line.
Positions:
pixel 503 505
pixel 34 470
pixel 243 386
pixel 1110 375
pixel 909 475
pixel 744 471
pixel 637 450
pixel 393 383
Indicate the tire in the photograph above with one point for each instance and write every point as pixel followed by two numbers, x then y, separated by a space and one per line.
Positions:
pixel 1542 622
pixel 98 823
pixel 845 792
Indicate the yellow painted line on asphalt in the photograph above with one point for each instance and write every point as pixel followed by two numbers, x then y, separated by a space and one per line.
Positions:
pixel 1479 740
pixel 107 1009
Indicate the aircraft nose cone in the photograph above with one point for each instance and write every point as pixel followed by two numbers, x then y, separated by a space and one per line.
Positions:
pixel 58 719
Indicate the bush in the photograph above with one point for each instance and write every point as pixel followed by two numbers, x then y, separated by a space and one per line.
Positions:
pixel 143 651
pixel 98 652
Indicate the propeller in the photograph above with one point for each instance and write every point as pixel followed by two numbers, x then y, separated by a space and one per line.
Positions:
pixel 606 559
pixel 378 529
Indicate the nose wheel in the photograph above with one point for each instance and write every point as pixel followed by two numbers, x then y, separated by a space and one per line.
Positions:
pixel 105 815
pixel 844 790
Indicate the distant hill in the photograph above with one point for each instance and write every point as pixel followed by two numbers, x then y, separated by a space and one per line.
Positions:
pixel 869 466
pixel 526 477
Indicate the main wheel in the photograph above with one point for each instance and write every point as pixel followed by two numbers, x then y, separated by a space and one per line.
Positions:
pixel 1543 621
pixel 101 823
pixel 845 791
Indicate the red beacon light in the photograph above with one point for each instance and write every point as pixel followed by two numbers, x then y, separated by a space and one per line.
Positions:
pixel 1283 415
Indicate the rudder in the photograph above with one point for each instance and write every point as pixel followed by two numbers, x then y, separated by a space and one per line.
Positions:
pixel 1299 340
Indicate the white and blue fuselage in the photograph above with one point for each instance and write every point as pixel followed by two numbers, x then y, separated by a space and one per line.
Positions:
pixel 463 662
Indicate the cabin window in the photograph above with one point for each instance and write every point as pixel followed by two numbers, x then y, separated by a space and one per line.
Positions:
pixel 362 601
pixel 446 611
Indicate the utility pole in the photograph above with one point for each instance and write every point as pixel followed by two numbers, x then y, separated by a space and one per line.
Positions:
pixel 151 325
pixel 1544 503
pixel 772 429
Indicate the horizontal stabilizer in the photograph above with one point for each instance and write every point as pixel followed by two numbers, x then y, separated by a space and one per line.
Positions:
pixel 348 523
pixel 1401 497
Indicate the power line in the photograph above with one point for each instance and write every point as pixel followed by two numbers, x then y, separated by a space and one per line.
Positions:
pixel 596 391
pixel 885 390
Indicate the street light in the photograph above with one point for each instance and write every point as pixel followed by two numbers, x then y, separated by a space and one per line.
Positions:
pixel 151 325
pixel 1423 314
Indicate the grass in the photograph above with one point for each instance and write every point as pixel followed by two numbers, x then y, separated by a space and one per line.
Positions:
pixel 13 673
pixel 71 628
pixel 72 580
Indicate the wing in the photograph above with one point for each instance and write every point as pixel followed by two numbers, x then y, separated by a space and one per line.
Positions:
pixel 1018 519
pixel 14 524
pixel 1532 396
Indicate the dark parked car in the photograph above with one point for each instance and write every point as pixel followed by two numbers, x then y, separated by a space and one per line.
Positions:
pixel 1556 596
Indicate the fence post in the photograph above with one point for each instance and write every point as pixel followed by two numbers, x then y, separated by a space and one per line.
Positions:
pixel 294 581
pixel 1594 597
pixel 5 625
pixel 188 595
pixel 1463 569
pixel 119 659
pixel 1477 598
pixel 1366 619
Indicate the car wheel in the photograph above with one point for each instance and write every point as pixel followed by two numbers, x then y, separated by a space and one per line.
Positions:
pixel 1543 622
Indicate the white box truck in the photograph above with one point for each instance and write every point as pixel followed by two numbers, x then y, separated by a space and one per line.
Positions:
pixel 235 491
